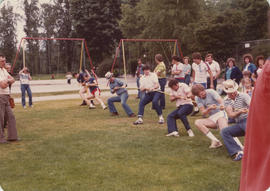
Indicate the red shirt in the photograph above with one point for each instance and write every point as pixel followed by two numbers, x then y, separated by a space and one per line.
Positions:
pixel 255 174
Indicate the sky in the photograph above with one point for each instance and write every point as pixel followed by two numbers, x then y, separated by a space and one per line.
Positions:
pixel 18 8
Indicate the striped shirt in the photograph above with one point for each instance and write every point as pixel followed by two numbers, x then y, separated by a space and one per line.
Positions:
pixel 241 101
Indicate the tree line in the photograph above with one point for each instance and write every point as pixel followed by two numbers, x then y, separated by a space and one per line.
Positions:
pixel 216 26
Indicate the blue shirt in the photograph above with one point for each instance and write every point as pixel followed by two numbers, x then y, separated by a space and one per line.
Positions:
pixel 228 73
pixel 211 98
pixel 117 83
pixel 139 70
pixel 81 79
pixel 91 81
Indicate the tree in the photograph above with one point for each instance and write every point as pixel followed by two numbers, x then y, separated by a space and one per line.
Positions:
pixel 8 21
pixel 256 27
pixel 97 22
pixel 31 11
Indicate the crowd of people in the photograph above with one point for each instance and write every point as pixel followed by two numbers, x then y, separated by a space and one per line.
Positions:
pixel 193 88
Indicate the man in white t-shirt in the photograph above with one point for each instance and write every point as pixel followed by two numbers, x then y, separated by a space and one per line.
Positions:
pixel 215 69
pixel 180 93
pixel 5 80
pixel 150 85
pixel 200 71
pixel 177 69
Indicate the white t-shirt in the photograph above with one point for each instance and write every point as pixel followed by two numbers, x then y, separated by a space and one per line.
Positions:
pixel 259 71
pixel 4 76
pixel 149 81
pixel 24 78
pixel 182 91
pixel 178 67
pixel 214 67
pixel 201 71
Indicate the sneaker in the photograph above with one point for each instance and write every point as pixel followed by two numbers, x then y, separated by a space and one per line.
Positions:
pixel 132 115
pixel 238 156
pixel 174 133
pixel 215 144
pixel 104 107
pixel 138 121
pixel 161 120
pixel 114 114
pixel 92 107
pixel 83 103
pixel 190 133
pixel 24 107
pixel 92 102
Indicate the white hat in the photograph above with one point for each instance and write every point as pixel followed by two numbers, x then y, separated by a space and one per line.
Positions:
pixel 230 86
pixel 108 75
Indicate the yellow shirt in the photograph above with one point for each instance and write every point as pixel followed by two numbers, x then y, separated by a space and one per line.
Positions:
pixel 161 69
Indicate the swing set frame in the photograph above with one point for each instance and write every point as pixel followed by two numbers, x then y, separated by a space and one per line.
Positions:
pixel 83 45
pixel 121 43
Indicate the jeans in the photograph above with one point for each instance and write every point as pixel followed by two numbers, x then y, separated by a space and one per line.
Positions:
pixel 180 113
pixel 151 96
pixel 162 83
pixel 26 87
pixel 138 86
pixel 187 79
pixel 229 133
pixel 214 82
pixel 180 80
pixel 203 84
pixel 120 98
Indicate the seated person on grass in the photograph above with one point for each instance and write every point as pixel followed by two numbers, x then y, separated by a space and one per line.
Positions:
pixel 237 105
pixel 210 103
pixel 93 91
pixel 180 92
pixel 119 88
pixel 150 85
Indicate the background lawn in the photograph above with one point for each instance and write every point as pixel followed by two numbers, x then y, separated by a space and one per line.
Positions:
pixel 71 148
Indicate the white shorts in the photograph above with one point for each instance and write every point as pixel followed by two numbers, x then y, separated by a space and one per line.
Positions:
pixel 218 115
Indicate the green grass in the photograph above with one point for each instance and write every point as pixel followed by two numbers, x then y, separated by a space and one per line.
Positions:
pixel 65 147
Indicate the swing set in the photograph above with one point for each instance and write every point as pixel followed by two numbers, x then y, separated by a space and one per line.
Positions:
pixel 83 46
pixel 121 48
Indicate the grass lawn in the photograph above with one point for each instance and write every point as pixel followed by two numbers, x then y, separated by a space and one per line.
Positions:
pixel 65 147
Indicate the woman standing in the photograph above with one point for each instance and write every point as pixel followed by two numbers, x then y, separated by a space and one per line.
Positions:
pixel 248 61
pixel 187 70
pixel 24 79
pixel 160 70
pixel 259 62
pixel 232 71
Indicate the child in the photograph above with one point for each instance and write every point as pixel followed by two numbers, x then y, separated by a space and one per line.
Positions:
pixel 93 91
pixel 69 77
pixel 247 86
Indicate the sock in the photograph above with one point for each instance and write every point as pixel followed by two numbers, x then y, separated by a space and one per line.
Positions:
pixel 211 136
pixel 161 117
pixel 238 142
pixel 196 109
